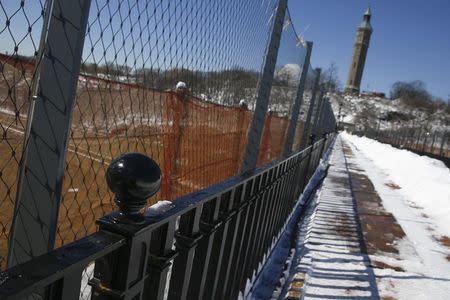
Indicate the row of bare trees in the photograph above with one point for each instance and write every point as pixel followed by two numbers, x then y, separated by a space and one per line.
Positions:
pixel 415 95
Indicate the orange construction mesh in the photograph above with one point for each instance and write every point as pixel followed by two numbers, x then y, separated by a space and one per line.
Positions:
pixel 202 144
pixel 121 104
pixel 272 140
pixel 196 144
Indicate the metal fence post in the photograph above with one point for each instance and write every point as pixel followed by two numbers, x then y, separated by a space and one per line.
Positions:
pixel 432 143
pixel 418 139
pixel 441 148
pixel 264 88
pixel 305 134
pixel 326 119
pixel 41 175
pixel 409 138
pixel 424 145
pixel 318 115
pixel 264 147
pixel 297 102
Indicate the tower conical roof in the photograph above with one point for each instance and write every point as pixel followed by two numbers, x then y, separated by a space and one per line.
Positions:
pixel 365 24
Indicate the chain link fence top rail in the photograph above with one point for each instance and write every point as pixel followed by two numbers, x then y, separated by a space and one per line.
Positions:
pixel 21 24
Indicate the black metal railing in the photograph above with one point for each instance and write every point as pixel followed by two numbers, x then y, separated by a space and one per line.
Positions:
pixel 206 246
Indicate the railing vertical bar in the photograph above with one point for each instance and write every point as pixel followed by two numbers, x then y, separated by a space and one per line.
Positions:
pixel 297 179
pixel 231 290
pixel 72 285
pixel 284 201
pixel 292 176
pixel 259 211
pixel 68 287
pixel 202 257
pixel 186 243
pixel 228 252
pixel 252 207
pixel 275 221
pixel 160 262
pixel 306 169
pixel 267 210
pixel 270 215
pixel 233 267
pixel 219 245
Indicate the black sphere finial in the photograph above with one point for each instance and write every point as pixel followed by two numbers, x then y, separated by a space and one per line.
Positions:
pixel 133 178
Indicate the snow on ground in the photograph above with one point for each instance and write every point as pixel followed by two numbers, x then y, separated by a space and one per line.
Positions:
pixel 354 109
pixel 424 182
pixel 85 288
pixel 421 205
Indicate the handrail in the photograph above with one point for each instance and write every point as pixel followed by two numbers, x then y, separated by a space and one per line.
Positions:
pixel 30 277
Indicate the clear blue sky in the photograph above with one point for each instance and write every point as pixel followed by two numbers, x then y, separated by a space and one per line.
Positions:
pixel 411 39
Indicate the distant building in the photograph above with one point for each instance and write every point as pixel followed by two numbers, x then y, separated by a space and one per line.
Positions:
pixel 360 47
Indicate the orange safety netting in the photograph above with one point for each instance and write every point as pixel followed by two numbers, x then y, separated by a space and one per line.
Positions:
pixel 196 143
pixel 203 143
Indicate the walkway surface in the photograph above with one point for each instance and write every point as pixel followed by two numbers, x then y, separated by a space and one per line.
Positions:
pixel 332 262
pixel 354 244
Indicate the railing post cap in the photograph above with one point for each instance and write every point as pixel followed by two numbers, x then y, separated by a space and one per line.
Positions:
pixel 133 178
pixel 243 104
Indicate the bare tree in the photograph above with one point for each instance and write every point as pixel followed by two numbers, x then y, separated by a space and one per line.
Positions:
pixel 414 94
pixel 329 79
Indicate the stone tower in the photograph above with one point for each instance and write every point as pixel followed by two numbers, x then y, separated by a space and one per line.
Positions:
pixel 360 47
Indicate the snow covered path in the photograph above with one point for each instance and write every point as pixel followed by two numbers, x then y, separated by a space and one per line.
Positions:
pixel 330 260
pixel 416 191
pixel 423 181
pixel 366 234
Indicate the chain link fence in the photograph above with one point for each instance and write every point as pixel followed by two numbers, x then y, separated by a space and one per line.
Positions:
pixel 21 24
pixel 176 80
pixel 135 53
pixel 435 143
pixel 289 63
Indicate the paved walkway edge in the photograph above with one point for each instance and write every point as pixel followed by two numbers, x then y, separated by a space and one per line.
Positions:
pixel 331 260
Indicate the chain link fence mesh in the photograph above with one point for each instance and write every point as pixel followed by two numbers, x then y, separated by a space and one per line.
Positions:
pixel 128 97
pixel 21 25
pixel 135 53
